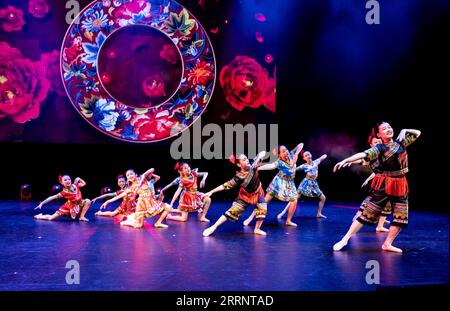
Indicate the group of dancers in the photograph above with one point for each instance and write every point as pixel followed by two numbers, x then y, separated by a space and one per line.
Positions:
pixel 388 193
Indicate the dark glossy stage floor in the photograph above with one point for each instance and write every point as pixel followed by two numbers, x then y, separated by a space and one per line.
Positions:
pixel 34 253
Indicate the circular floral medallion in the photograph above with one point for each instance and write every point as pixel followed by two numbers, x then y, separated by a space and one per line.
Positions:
pixel 138 70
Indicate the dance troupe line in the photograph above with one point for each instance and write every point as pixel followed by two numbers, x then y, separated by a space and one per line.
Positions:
pixel 388 194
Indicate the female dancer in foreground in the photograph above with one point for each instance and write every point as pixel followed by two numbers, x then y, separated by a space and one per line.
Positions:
pixel 128 204
pixel 250 192
pixel 387 210
pixel 75 204
pixel 309 186
pixel 389 184
pixel 147 205
pixel 191 200
pixel 282 186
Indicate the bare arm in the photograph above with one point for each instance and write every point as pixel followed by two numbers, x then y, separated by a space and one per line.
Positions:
pixel 156 178
pixel 147 175
pixel 217 189
pixel 319 160
pixel 117 197
pixel 175 196
pixel 298 149
pixel 173 183
pixel 258 159
pixel 300 167
pixel 368 179
pixel 204 175
pixel 268 167
pixel 79 182
pixel 107 195
pixel 362 162
pixel 49 199
pixel 355 157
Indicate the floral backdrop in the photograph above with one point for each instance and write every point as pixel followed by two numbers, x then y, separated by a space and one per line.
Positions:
pixel 34 105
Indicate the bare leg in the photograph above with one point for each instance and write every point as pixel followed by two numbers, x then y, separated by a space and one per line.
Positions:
pixel 354 228
pixel 210 230
pixel 158 223
pixel 250 218
pixel 258 227
pixel 358 213
pixel 107 214
pixel 291 211
pixel 280 215
pixel 84 210
pixel 322 200
pixel 47 217
pixel 387 245
pixel 206 206
pixel 380 226
pixel 183 217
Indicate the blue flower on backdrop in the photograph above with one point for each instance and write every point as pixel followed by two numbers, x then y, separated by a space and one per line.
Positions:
pixel 92 50
pixel 102 110
pixel 96 21
pixel 74 70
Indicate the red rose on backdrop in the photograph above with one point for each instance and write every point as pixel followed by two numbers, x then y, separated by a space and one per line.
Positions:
pixel 23 85
pixel 11 19
pixel 52 71
pixel 147 128
pixel 245 83
pixel 38 8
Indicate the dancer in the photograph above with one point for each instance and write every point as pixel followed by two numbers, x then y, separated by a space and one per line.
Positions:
pixel 147 206
pixel 128 196
pixel 282 186
pixel 75 205
pixel 250 192
pixel 387 210
pixel 191 200
pixel 389 184
pixel 309 186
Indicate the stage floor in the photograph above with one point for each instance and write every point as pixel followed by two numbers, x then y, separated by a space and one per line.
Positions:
pixel 34 253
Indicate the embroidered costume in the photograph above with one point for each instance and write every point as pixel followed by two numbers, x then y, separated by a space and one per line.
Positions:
pixel 309 186
pixel 147 205
pixel 128 205
pixel 250 192
pixel 191 200
pixel 390 184
pixel 74 204
pixel 282 186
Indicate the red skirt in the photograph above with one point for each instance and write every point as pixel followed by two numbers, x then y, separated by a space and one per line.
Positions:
pixel 191 201
pixel 395 186
pixel 251 198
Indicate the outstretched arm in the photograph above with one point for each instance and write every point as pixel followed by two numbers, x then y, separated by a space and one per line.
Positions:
pixel 319 160
pixel 173 183
pixel 299 168
pixel 217 189
pixel 49 199
pixel 355 157
pixel 107 195
pixel 362 162
pixel 368 179
pixel 117 197
pixel 268 167
pixel 175 196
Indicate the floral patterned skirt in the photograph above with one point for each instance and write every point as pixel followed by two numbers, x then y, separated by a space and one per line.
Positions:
pixel 71 208
pixel 309 188
pixel 283 189
pixel 191 202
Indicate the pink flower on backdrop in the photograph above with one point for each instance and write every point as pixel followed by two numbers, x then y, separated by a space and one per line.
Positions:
pixel 245 83
pixel 38 8
pixel 23 85
pixel 149 128
pixel 52 71
pixel 11 19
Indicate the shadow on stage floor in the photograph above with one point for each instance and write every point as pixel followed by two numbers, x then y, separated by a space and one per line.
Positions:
pixel 34 253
